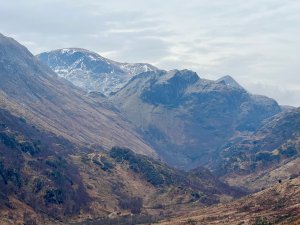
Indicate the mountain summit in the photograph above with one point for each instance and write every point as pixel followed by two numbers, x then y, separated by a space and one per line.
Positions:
pixel 228 80
pixel 91 71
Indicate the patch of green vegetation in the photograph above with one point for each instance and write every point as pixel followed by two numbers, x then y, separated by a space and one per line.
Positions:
pixel 7 140
pixel 192 222
pixel 22 119
pixel 10 175
pixel 38 185
pixel 29 147
pixel 289 151
pixel 135 204
pixel 104 163
pixel 55 196
pixel 25 146
pixel 140 165
pixel 266 157
pixel 56 162
pixel 262 221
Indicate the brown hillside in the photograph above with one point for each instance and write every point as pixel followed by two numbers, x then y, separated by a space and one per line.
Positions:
pixel 32 91
pixel 277 205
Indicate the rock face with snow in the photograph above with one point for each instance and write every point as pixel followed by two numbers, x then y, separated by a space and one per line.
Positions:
pixel 91 71
pixel 228 80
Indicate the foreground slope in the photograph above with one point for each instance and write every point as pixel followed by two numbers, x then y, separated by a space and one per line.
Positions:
pixel 188 119
pixel 91 71
pixel 32 90
pixel 277 205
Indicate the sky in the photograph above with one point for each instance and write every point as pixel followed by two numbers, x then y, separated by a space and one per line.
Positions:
pixel 257 42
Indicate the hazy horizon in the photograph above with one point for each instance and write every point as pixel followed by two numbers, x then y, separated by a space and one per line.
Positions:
pixel 255 42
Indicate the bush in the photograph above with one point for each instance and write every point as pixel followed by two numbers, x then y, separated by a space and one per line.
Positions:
pixel 107 165
pixel 10 175
pixel 30 148
pixel 38 185
pixel 266 157
pixel 138 164
pixel 7 140
pixel 289 151
pixel 54 196
pixel 261 221
pixel 135 204
pixel 11 142
pixel 104 163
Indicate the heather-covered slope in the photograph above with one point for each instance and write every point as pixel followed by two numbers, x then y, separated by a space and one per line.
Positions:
pixel 44 181
pixel 31 90
pixel 188 119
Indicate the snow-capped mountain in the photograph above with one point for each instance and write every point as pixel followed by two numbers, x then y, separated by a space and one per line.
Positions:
pixel 228 80
pixel 91 71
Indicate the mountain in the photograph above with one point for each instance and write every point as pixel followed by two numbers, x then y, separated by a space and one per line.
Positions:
pixel 69 156
pixel 44 181
pixel 34 92
pixel 276 205
pixel 228 80
pixel 188 119
pixel 91 71
pixel 266 156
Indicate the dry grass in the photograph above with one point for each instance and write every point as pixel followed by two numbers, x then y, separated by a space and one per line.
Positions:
pixel 279 204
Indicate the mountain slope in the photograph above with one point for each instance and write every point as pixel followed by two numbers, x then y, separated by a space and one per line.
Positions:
pixel 91 71
pixel 186 118
pixel 31 90
pixel 43 181
pixel 276 205
pixel 270 154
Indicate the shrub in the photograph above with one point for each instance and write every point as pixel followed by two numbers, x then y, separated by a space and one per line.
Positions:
pixel 135 204
pixel 261 221
pixel 7 140
pixel 30 148
pixel 138 164
pixel 54 196
pixel 107 165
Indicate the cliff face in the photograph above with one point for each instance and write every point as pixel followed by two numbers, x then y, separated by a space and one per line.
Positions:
pixel 188 119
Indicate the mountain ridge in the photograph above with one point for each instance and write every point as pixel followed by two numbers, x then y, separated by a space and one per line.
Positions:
pixel 91 71
pixel 178 110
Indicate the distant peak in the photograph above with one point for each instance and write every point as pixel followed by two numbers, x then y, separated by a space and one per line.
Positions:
pixel 80 52
pixel 186 74
pixel 70 51
pixel 228 80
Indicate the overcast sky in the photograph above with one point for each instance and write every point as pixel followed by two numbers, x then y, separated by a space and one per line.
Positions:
pixel 256 41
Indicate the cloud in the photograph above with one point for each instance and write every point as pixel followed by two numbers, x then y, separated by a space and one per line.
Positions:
pixel 257 42
pixel 285 95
